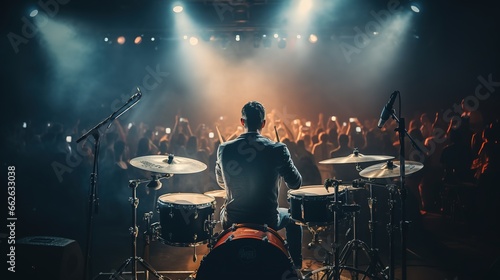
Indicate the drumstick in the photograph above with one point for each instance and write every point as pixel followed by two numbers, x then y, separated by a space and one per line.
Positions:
pixel 277 135
pixel 220 136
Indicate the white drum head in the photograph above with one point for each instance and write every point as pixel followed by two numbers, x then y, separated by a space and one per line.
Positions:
pixel 315 190
pixel 186 198
pixel 217 193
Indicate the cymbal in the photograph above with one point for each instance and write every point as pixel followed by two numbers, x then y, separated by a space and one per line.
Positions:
pixel 390 169
pixel 355 158
pixel 163 164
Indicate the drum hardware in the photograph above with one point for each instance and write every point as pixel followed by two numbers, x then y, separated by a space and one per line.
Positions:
pixel 336 260
pixel 209 226
pixel 148 237
pixel 134 230
pixel 375 267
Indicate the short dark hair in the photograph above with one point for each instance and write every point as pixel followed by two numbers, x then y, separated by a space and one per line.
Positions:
pixel 254 115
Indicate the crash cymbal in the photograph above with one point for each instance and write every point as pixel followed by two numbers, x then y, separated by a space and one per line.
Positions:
pixel 168 164
pixel 355 157
pixel 390 169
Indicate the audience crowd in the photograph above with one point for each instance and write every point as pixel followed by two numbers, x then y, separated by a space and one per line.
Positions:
pixel 461 163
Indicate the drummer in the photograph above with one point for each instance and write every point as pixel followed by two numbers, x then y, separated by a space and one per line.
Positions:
pixel 249 168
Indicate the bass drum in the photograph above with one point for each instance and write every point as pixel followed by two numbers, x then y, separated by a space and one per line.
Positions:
pixel 247 251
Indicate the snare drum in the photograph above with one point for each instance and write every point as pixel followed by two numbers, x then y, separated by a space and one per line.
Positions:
pixel 247 251
pixel 183 218
pixel 310 205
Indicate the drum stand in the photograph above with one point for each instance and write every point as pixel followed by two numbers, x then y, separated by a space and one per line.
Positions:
pixel 134 230
pixel 375 268
pixel 333 272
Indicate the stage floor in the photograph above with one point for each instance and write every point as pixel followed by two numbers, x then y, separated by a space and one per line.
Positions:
pixel 438 249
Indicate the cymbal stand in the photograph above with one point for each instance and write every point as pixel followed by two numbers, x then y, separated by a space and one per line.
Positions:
pixel 148 237
pixel 391 228
pixel 134 230
pixel 333 271
pixel 336 207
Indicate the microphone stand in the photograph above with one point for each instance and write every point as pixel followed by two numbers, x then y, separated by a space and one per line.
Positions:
pixel 402 132
pixel 93 202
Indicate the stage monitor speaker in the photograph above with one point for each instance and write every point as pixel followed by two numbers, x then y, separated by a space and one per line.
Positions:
pixel 48 257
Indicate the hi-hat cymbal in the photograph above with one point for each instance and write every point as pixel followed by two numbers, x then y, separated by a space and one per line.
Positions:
pixel 390 169
pixel 167 164
pixel 355 158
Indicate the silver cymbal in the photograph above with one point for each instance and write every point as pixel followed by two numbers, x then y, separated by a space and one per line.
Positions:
pixel 355 158
pixel 164 165
pixel 390 169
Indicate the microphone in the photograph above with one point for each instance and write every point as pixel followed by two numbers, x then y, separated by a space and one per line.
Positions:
pixel 130 103
pixel 387 110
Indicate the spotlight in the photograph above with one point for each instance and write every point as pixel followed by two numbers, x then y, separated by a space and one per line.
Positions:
pixel 120 40
pixel 193 41
pixel 138 40
pixel 106 39
pixel 415 7
pixel 313 38
pixel 276 36
pixel 237 37
pixel 185 37
pixel 33 13
pixel 153 39
pixel 177 8
pixel 299 37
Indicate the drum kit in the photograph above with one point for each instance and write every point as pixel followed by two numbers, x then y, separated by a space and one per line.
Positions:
pixel 192 219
